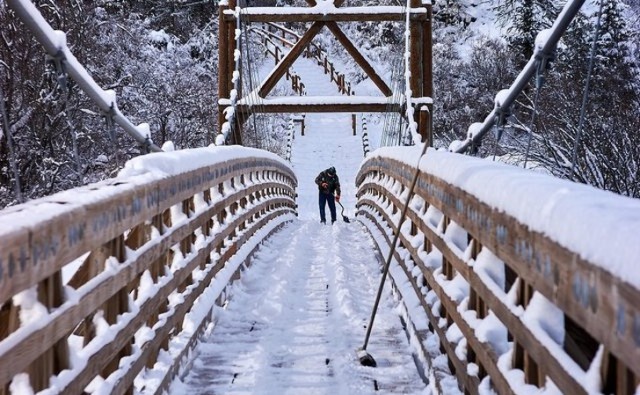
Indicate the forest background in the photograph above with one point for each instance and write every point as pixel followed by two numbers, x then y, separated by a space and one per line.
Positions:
pixel 160 57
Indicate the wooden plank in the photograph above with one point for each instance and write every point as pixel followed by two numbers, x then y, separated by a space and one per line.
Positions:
pixel 305 14
pixel 585 292
pixel 415 58
pixel 351 106
pixel 55 359
pixel 427 54
pixel 34 251
pixel 460 370
pixel 342 16
pixel 173 371
pixel 44 248
pixel 223 64
pixel 437 368
pixel 150 348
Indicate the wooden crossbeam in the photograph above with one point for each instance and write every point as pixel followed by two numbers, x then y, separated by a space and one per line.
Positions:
pixel 314 14
pixel 288 59
pixel 297 104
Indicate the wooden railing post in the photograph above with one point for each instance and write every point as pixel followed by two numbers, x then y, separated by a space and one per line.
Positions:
pixel 55 359
pixel 354 125
pixel 424 124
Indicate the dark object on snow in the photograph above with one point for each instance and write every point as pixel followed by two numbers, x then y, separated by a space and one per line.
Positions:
pixel 344 217
pixel 365 358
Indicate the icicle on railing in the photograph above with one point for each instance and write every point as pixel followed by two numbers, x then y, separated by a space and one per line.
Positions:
pixel 55 43
pixel 365 137
pixel 290 136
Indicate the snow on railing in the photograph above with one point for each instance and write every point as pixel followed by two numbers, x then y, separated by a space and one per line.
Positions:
pixel 530 283
pixel 102 278
pixel 546 43
pixel 55 43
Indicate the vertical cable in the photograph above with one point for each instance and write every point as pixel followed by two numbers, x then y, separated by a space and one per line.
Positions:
pixel 585 97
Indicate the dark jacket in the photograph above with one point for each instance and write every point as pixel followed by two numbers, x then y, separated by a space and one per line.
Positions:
pixel 333 183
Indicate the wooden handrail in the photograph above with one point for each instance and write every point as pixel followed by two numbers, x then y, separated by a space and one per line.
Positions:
pixel 448 229
pixel 160 228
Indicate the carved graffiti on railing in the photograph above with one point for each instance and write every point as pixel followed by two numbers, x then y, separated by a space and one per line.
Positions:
pixel 138 242
pixel 447 230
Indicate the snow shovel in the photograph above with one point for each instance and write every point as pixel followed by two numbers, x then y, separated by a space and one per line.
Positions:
pixel 344 217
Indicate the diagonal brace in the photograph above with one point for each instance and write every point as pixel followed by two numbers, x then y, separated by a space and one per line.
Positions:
pixel 289 58
pixel 357 56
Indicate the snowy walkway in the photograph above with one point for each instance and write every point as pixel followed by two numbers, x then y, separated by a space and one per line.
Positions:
pixel 300 310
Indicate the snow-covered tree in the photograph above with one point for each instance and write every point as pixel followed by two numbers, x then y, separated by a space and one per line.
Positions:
pixel 160 67
pixel 524 19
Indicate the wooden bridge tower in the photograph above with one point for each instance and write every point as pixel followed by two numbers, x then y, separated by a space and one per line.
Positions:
pixel 420 47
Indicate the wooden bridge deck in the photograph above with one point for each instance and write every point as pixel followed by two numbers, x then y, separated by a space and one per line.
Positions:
pixel 296 317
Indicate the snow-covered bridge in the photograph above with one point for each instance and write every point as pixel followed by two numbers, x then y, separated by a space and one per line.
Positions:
pixel 207 271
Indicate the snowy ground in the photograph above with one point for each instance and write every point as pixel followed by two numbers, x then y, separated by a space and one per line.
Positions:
pixel 300 311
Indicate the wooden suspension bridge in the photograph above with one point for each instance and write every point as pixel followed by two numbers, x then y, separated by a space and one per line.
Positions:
pixel 184 230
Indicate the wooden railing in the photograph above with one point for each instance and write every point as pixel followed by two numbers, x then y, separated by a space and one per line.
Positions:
pixel 136 253
pixel 512 308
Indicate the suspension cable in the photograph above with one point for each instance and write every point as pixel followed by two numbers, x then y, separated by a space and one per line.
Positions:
pixel 392 119
pixel 539 83
pixel 54 42
pixel 571 9
pixel 585 97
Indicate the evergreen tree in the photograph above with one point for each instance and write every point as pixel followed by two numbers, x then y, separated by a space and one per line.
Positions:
pixel 613 65
pixel 524 19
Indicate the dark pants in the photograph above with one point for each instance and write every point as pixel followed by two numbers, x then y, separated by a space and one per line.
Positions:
pixel 327 198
